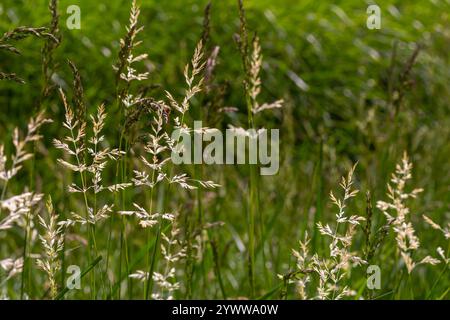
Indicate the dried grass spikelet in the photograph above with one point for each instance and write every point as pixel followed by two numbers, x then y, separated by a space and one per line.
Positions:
pixel 173 250
pixel 255 81
pixel 147 219
pixel 21 155
pixel 131 105
pixel 331 269
pixel 90 159
pixel 252 63
pixel 302 264
pixel 193 82
pixel 445 231
pixel 52 243
pixel 123 67
pixel 18 205
pixel 407 241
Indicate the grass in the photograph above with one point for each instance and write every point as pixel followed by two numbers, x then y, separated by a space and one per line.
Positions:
pixel 141 227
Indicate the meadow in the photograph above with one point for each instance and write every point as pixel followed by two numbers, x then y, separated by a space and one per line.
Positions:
pixel 93 207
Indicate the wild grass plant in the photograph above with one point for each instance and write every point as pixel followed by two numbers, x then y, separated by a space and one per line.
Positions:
pixel 91 182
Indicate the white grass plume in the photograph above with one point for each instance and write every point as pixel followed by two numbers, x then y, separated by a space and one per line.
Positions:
pixel 52 242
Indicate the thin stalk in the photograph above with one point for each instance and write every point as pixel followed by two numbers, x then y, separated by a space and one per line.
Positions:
pixel 319 200
pixel 200 217
pixel 108 249
pixel 253 195
pixel 124 221
pixel 189 260
pixel 83 183
pixel 119 166
pixel 217 267
pixel 25 257
pixel 89 268
pixel 150 267
pixel 410 284
pixel 149 284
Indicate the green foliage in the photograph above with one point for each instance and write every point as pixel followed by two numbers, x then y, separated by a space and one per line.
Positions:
pixel 351 95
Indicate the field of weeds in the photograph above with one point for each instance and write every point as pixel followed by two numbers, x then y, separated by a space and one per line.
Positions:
pixel 120 179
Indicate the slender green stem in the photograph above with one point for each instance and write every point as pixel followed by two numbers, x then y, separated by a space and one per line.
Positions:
pixel 25 256
pixel 86 203
pixel 150 267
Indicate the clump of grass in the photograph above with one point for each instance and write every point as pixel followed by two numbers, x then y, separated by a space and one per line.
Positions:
pixel 18 206
pixel 255 81
pixel 251 64
pixel 162 238
pixel 332 268
pixel 159 146
pixel 335 266
pixel 131 107
pixel 90 159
